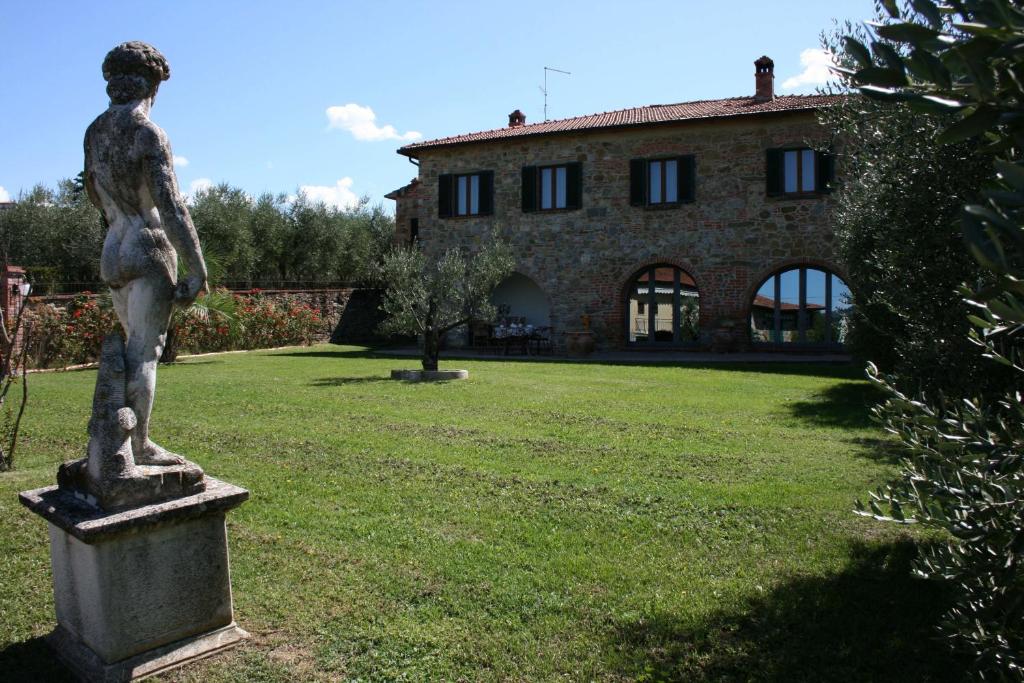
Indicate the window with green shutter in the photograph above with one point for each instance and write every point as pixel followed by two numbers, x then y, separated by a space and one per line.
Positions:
pixel 798 172
pixel 662 182
pixel 466 194
pixel 551 188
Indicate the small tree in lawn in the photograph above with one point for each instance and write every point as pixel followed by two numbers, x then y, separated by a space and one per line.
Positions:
pixel 428 298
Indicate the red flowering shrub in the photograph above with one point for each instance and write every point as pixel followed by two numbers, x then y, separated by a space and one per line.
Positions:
pixel 74 335
pixel 69 336
pixel 257 323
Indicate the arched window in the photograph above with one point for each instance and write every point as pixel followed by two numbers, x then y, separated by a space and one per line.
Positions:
pixel 801 305
pixel 662 308
pixel 520 298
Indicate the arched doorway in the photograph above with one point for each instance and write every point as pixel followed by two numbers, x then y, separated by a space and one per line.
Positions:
pixel 520 298
pixel 662 308
pixel 801 305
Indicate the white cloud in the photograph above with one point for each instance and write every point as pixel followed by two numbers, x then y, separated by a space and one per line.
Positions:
pixel 270 164
pixel 180 161
pixel 360 121
pixel 816 63
pixel 339 195
pixel 198 185
pixel 4 195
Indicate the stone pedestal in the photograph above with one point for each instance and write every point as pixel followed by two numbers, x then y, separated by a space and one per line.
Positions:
pixel 429 375
pixel 143 590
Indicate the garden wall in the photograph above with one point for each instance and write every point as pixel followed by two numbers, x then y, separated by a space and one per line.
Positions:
pixel 329 303
pixel 68 329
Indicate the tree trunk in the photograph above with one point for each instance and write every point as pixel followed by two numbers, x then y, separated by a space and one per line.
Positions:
pixel 431 349
pixel 431 338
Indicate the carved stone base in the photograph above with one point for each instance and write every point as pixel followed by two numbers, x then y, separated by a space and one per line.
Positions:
pixel 146 485
pixel 88 666
pixel 140 590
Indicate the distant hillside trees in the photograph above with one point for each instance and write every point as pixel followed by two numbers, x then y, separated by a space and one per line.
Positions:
pixel 56 233
pixel 267 240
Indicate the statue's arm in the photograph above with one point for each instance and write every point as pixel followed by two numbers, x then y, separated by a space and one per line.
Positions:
pixel 158 166
pixel 90 190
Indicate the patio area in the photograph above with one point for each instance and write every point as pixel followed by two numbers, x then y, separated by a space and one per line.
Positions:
pixel 674 357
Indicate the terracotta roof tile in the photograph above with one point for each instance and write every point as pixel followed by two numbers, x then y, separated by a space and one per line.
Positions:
pixel 638 116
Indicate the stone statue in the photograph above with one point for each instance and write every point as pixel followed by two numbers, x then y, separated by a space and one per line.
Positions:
pixel 129 176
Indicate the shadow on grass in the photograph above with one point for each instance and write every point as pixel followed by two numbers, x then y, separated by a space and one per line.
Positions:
pixel 186 362
pixel 872 621
pixel 840 369
pixel 339 354
pixel 31 661
pixel 344 381
pixel 846 405
pixel 881 450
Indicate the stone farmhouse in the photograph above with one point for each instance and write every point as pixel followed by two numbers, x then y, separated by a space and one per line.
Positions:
pixel 701 225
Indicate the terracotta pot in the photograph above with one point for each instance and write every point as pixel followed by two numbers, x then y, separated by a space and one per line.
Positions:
pixel 579 344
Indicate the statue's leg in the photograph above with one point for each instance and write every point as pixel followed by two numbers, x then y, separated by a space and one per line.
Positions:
pixel 147 311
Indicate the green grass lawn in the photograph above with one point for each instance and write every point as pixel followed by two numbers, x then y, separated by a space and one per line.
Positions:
pixel 539 521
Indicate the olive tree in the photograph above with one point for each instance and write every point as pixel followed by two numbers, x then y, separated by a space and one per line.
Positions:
pixel 963 465
pixel 428 298
pixel 897 222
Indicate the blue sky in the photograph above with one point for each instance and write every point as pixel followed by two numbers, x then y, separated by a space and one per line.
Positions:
pixel 273 96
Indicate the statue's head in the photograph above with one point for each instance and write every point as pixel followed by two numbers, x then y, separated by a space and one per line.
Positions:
pixel 134 71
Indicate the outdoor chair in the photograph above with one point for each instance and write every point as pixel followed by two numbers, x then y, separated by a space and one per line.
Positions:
pixel 540 342
pixel 480 335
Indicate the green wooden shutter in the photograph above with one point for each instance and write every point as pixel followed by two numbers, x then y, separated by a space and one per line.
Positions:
pixel 529 189
pixel 486 193
pixel 574 185
pixel 825 164
pixel 444 195
pixel 687 178
pixel 637 182
pixel 773 173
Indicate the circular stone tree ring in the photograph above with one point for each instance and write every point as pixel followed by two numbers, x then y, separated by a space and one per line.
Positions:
pixel 429 375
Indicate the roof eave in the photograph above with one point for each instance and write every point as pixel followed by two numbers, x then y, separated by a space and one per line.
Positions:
pixel 411 151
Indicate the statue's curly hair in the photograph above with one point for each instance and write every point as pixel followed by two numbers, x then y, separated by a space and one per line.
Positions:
pixel 134 70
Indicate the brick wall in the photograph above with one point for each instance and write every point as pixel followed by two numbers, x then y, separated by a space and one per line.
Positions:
pixel 729 240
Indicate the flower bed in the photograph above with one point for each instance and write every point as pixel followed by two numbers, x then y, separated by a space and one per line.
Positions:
pixel 253 322
pixel 70 335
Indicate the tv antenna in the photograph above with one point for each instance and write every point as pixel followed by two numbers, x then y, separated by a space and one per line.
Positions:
pixel 545 88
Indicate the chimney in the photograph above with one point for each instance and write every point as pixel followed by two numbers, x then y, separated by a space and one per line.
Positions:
pixel 764 77
pixel 516 119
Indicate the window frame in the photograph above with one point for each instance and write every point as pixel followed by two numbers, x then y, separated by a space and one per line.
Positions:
pixel 414 231
pixel 457 185
pixel 800 153
pixel 648 308
pixel 663 184
pixel 802 315
pixel 554 170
